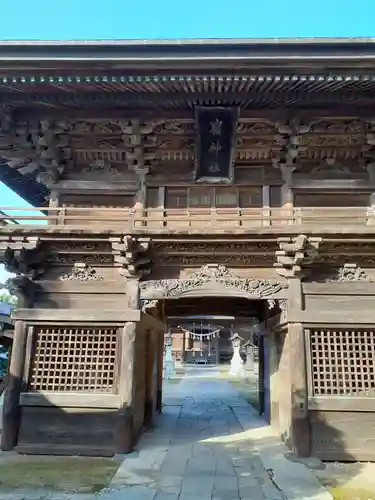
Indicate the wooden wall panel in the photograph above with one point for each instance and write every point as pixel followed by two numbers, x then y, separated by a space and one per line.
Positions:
pixel 327 303
pixel 314 199
pixel 67 431
pixel 97 202
pixel 343 436
pixel 80 300
pixel 275 196
pixel 249 175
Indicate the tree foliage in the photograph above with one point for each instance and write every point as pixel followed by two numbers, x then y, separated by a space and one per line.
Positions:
pixel 6 295
pixel 6 298
pixel 3 360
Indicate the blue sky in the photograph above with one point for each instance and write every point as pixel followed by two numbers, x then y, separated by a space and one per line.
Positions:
pixel 94 19
pixel 87 19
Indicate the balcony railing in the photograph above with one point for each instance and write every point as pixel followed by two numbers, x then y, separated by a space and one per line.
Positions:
pixel 204 220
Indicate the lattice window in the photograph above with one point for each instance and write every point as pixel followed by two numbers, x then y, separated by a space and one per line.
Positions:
pixel 342 362
pixel 74 359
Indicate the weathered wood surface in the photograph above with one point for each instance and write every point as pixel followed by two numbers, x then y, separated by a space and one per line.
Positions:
pixel 70 400
pixel 150 377
pixel 300 426
pixel 126 387
pixel 77 315
pixel 11 409
pixel 160 360
pixel 52 430
pixel 342 403
pixel 343 435
pixel 333 313
pixel 332 289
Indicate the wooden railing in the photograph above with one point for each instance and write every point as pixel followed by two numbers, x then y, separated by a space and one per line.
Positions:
pixel 205 220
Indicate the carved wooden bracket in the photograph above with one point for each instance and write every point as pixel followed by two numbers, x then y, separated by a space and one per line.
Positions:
pixel 140 143
pixel 289 139
pixel 131 256
pixel 54 157
pixel 294 254
pixel 21 255
pixel 24 289
pixel 38 147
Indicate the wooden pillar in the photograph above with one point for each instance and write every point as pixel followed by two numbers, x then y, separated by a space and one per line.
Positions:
pixel 274 380
pixel 287 197
pixel 126 386
pixel 141 197
pixel 11 409
pixel 150 377
pixel 266 205
pixel 300 427
pixel 261 373
pixel 53 203
pixel 132 293
pixel 371 208
pixel 161 204
pixel 300 436
pixel 160 359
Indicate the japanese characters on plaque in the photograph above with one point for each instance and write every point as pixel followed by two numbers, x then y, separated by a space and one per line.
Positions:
pixel 214 151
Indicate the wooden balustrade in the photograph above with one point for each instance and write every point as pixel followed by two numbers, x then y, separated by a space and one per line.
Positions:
pixel 153 220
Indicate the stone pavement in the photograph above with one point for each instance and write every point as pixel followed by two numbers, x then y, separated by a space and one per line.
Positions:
pixel 208 444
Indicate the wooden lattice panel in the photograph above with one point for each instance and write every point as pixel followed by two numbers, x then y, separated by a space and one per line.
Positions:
pixel 74 359
pixel 342 362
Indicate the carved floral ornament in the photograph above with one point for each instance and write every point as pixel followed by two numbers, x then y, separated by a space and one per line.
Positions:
pixel 351 272
pixel 81 272
pixel 213 279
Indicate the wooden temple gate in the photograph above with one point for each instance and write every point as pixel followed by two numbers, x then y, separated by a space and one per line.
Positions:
pixel 164 173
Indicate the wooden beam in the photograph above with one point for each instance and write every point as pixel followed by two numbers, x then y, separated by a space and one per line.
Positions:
pixel 341 403
pixel 69 400
pixel 342 111
pixel 83 316
pixel 332 317
pixel 159 98
pixel 355 289
pixel 65 450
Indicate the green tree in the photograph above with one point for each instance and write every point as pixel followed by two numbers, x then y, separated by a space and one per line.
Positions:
pixel 3 360
pixel 6 298
pixel 6 293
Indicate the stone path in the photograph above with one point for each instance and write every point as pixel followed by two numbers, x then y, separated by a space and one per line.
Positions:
pixel 208 445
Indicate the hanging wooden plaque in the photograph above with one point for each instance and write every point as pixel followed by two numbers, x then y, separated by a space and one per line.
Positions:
pixel 215 143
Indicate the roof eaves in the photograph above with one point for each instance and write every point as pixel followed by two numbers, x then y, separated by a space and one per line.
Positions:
pixel 188 49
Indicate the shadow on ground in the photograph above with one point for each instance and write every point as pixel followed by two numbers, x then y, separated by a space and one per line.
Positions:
pixel 208 443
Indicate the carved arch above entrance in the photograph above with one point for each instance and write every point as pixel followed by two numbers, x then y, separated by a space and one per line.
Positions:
pixel 211 280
